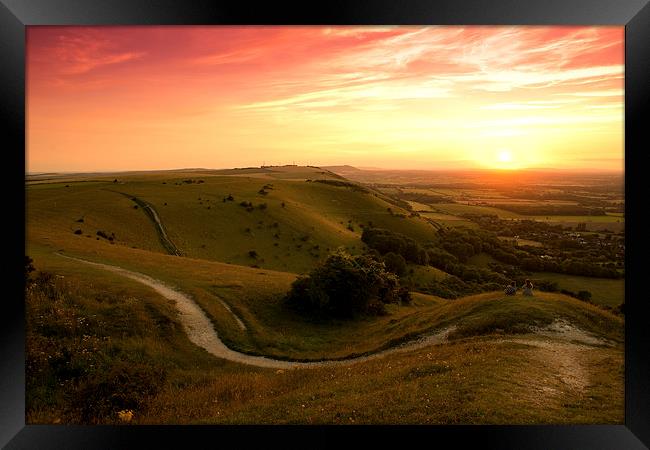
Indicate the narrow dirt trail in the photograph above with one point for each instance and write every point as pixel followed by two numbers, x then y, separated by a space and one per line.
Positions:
pixel 153 215
pixel 563 357
pixel 200 331
pixel 563 363
pixel 564 352
pixel 564 360
pixel 162 234
pixel 567 360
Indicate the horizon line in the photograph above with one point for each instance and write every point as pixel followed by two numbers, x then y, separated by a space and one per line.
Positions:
pixel 360 168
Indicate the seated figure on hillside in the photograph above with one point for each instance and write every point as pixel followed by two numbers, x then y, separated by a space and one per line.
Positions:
pixel 528 288
pixel 511 289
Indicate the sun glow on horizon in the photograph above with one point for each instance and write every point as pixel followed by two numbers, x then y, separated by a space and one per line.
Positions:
pixel 404 97
pixel 505 156
pixel 506 160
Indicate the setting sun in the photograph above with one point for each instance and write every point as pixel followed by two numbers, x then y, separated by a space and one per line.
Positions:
pixel 400 97
pixel 505 156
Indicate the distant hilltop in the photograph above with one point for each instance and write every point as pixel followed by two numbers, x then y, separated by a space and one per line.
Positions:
pixel 341 168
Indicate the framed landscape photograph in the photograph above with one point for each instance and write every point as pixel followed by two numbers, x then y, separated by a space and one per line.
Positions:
pixel 348 218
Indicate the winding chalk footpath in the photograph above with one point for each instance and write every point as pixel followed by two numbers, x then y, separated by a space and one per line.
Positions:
pixel 153 215
pixel 200 331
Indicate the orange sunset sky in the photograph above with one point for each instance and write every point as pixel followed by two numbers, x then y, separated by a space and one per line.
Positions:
pixel 132 98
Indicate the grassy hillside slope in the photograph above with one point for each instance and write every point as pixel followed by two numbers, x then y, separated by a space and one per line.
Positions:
pixel 290 225
pixel 109 344
pixel 99 343
pixel 255 296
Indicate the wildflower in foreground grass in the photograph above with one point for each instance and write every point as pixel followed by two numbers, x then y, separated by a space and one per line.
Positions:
pixel 125 415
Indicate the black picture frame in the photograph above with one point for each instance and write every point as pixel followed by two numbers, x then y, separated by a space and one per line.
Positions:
pixel 15 15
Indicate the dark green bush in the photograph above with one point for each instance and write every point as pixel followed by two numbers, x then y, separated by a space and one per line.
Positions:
pixel 453 287
pixel 103 234
pixel 404 295
pixel 585 296
pixel 395 263
pixel 346 286
pixel 547 286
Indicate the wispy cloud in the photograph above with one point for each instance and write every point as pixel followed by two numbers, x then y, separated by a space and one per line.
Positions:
pixel 608 93
pixel 443 62
pixel 353 95
pixel 519 106
pixel 232 57
pixel 439 92
pixel 90 62
pixel 78 52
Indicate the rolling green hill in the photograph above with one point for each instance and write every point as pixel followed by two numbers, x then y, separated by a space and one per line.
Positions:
pixel 491 371
pixel 270 218
pixel 255 297
pixel 88 328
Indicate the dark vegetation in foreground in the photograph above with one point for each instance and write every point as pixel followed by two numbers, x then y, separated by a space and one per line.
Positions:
pixel 90 355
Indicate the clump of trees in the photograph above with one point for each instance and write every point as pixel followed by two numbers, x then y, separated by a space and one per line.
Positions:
pixel 552 210
pixel 385 241
pixel 346 286
pixel 347 184
pixel 453 248
pixel 453 287
pixel 425 198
